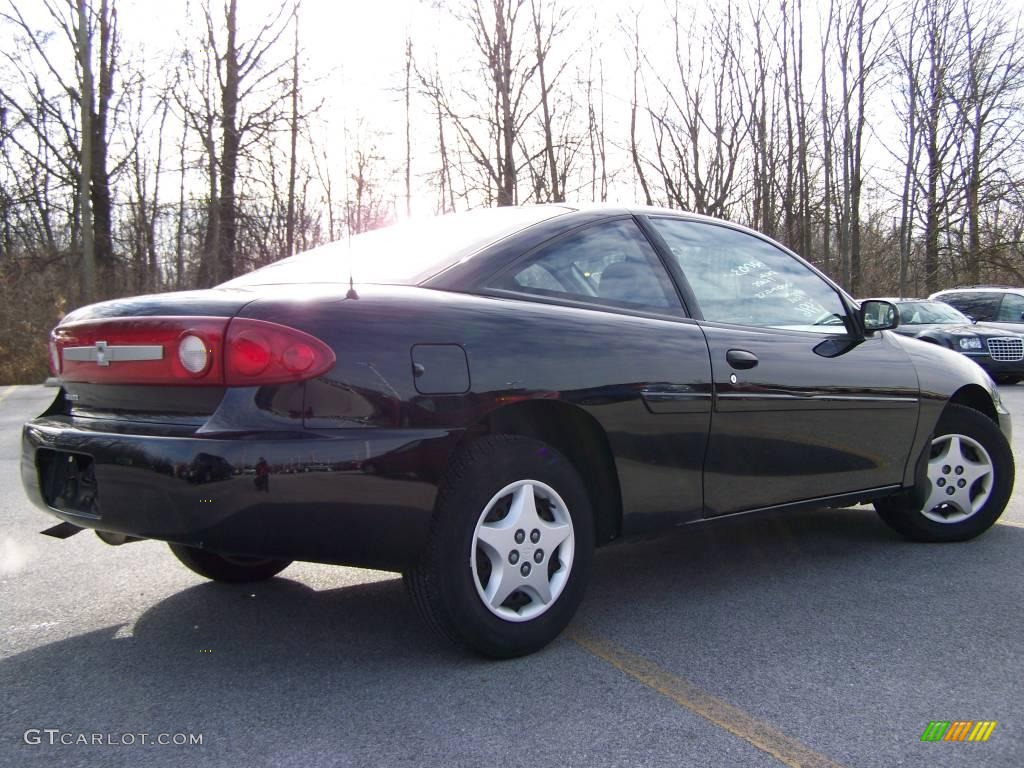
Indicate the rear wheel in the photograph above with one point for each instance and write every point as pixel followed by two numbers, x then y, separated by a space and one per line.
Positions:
pixel 969 480
pixel 229 568
pixel 510 548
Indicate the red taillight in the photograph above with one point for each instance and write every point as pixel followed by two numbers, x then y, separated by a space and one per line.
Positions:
pixel 210 351
pixel 259 352
pixel 54 357
pixel 248 353
pixel 142 350
pixel 298 357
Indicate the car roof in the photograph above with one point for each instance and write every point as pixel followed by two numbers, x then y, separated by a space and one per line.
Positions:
pixel 981 289
pixel 894 299
pixel 612 208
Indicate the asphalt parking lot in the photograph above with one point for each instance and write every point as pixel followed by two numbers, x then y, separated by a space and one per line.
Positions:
pixel 810 638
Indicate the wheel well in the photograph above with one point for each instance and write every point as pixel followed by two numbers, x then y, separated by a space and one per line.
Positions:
pixel 974 396
pixel 578 436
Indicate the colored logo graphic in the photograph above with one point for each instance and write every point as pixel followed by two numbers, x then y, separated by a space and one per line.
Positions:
pixel 958 730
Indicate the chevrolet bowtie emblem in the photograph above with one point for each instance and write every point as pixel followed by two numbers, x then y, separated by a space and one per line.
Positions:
pixel 103 354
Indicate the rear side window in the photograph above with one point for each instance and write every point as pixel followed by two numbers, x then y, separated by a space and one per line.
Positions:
pixel 980 306
pixel 611 263
pixel 1011 309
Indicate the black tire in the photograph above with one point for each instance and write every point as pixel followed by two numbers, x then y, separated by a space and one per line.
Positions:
pixel 1006 380
pixel 228 568
pixel 443 584
pixel 905 512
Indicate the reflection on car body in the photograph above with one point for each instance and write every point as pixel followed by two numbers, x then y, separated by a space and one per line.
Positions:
pixel 999 352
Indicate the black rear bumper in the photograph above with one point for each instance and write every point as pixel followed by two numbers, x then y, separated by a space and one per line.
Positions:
pixel 356 497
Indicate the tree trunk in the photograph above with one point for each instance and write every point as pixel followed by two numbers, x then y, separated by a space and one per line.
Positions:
pixel 85 175
pixel 556 194
pixel 503 77
pixel 408 128
pixel 227 210
pixel 101 199
pixel 294 136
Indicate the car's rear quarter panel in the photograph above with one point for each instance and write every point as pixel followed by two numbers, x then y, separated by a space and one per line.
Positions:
pixel 516 350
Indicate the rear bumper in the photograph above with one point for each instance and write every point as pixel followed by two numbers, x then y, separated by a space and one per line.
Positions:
pixel 357 496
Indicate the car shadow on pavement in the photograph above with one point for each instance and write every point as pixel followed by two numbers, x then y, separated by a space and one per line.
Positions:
pixel 290 625
pixel 734 606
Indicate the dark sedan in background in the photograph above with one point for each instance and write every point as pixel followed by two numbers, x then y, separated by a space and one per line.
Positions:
pixel 998 351
pixel 477 401
pixel 991 306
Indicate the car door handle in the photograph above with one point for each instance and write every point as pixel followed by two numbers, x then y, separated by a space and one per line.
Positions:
pixel 740 359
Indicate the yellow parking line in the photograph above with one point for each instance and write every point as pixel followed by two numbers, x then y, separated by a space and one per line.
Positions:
pixel 783 748
pixel 1014 523
pixel 5 393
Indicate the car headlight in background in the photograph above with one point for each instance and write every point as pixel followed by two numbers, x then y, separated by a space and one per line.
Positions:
pixel 970 342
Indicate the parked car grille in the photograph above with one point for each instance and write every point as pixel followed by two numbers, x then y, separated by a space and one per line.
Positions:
pixel 1006 350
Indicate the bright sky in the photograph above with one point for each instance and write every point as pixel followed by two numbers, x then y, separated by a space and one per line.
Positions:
pixel 354 56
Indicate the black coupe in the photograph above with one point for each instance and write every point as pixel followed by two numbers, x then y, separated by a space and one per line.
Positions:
pixel 479 400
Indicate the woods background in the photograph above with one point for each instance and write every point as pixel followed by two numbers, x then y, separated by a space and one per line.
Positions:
pixel 881 140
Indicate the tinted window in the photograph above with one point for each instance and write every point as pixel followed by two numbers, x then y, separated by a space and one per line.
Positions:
pixel 405 253
pixel 610 263
pixel 980 306
pixel 739 278
pixel 926 312
pixel 1011 310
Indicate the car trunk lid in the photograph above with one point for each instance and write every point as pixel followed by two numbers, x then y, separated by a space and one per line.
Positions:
pixel 119 358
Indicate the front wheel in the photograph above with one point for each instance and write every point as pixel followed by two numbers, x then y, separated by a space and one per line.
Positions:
pixel 510 548
pixel 969 480
pixel 229 568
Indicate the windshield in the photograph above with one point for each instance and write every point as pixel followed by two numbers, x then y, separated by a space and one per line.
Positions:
pixel 405 253
pixel 924 312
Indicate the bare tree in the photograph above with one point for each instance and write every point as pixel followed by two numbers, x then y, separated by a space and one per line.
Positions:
pixel 546 28
pixel 596 131
pixel 634 106
pixel 942 27
pixel 860 43
pixel 408 126
pixel 83 40
pixel 488 120
pixel 293 133
pixel 366 206
pixel 989 109
pixel 69 119
pixel 237 108
pixel 699 126
pixel 905 54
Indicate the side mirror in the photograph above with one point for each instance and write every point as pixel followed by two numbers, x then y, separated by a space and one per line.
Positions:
pixel 971 318
pixel 878 315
